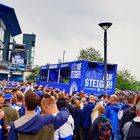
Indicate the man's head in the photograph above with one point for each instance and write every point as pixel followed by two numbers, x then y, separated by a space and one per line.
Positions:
pixel 62 102
pixel 84 101
pixel 49 106
pixel 92 99
pixel 31 100
pixel 113 99
pixel 2 99
pixel 19 97
pixel 131 99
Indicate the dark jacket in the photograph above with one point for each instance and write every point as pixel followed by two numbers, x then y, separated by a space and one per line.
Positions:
pixel 31 127
pixel 131 129
pixel 87 110
pixel 120 115
pixel 78 120
pixel 134 131
pixel 10 115
pixel 128 115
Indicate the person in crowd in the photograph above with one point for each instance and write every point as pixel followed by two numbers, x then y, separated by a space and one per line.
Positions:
pixel 10 114
pixel 87 110
pixel 65 102
pixel 127 115
pixel 42 97
pixel 95 113
pixel 20 98
pixel 130 102
pixel 1 130
pixel 65 132
pixel 13 103
pixel 78 119
pixel 35 126
pixel 131 129
pixel 106 101
pixel 2 99
pixel 101 127
pixel 84 102
pixel 19 103
pixel 111 112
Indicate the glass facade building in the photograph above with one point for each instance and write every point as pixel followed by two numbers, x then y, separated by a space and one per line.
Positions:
pixel 15 58
pixel 29 41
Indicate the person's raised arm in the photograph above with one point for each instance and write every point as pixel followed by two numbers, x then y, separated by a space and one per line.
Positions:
pixel 57 120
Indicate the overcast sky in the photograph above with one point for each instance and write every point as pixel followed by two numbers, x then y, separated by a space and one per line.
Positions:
pixel 73 24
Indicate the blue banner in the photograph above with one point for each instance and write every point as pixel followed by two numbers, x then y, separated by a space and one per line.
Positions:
pixel 94 80
pixel 81 75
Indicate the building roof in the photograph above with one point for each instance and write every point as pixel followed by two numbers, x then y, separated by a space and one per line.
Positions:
pixel 7 14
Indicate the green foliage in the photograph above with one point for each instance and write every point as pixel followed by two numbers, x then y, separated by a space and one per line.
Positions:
pixel 31 78
pixel 90 54
pixel 126 81
pixel 34 75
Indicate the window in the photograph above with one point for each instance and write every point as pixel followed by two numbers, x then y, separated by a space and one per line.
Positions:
pixel 53 75
pixel 64 75
pixel 43 75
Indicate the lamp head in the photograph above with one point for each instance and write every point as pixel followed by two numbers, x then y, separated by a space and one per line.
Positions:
pixel 105 25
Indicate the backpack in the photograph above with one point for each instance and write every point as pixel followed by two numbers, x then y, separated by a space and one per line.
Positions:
pixel 104 129
pixel 133 131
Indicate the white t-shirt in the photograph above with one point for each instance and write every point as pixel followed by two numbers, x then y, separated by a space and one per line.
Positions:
pixel 65 130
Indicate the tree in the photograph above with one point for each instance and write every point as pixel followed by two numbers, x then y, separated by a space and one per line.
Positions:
pixel 90 54
pixel 34 74
pixel 126 81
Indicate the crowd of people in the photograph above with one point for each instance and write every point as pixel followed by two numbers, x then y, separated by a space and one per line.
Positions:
pixel 30 111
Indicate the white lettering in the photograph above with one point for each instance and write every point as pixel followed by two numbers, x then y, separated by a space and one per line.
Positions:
pixel 97 83
pixel 19 61
pixel 86 82
pixel 94 83
pixel 109 84
pixel 101 84
pixel 75 74
pixel 53 66
pixel 79 66
pixel 109 77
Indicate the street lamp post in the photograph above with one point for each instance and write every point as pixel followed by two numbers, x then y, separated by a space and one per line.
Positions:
pixel 105 26
pixel 63 56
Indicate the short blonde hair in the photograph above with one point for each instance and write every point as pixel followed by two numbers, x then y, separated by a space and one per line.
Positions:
pixel 48 102
pixel 115 97
pixel 100 108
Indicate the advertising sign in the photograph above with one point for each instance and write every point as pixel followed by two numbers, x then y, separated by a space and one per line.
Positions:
pixel 18 59
pixel 94 80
